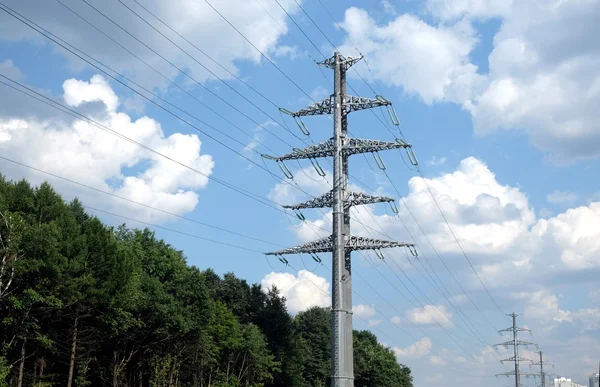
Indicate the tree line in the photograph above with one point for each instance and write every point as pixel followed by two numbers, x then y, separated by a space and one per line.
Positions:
pixel 84 304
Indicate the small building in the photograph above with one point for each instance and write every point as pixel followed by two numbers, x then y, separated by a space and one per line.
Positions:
pixel 564 382
pixel 594 380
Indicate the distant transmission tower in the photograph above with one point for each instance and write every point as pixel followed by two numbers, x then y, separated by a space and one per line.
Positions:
pixel 542 363
pixel 340 243
pixel 516 343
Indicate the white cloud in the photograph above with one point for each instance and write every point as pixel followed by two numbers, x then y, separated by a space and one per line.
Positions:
pixel 544 306
pixel 388 7
pixel 396 320
pixel 437 161
pixel 8 69
pixel 97 89
pixel 438 360
pixel 301 292
pixel 542 77
pixel 363 311
pixel 423 59
pixel 374 323
pixel 545 213
pixel 419 349
pixel 434 378
pixel 82 152
pixel 561 197
pixel 455 9
pixel 484 214
pixel 489 218
pixel 430 314
pixel 197 21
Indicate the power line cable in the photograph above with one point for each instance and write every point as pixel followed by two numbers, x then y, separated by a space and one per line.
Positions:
pixel 3 7
pixel 48 101
pixel 458 243
pixel 138 203
pixel 187 74
pixel 257 49
pixel 168 79
pixel 77 115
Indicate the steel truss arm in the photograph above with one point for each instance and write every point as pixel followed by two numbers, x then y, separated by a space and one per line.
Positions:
pixel 354 199
pixel 512 359
pixel 352 147
pixel 352 244
pixel 345 61
pixel 350 104
pixel 518 342
pixel 512 373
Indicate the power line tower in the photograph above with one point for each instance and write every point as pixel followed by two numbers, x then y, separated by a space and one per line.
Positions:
pixel 340 243
pixel 542 363
pixel 515 343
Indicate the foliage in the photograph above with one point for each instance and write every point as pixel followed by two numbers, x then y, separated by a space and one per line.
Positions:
pixel 83 304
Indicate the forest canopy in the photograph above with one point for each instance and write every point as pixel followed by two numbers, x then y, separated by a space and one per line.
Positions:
pixel 85 304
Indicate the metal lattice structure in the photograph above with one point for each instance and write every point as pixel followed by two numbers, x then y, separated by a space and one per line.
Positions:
pixel 354 199
pixel 516 343
pixel 353 146
pixel 353 243
pixel 345 62
pixel 542 363
pixel 351 104
pixel 340 199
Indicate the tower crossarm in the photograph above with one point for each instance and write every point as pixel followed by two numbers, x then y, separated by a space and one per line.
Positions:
pixel 517 342
pixel 345 61
pixel 326 200
pixel 350 104
pixel 526 343
pixel 353 243
pixel 512 373
pixel 512 359
pixel 516 329
pixel 353 146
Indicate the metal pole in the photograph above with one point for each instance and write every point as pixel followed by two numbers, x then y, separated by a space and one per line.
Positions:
pixel 347 276
pixel 516 352
pixel 542 370
pixel 341 347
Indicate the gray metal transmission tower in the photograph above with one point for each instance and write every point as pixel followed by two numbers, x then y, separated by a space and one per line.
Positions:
pixel 516 343
pixel 542 363
pixel 340 243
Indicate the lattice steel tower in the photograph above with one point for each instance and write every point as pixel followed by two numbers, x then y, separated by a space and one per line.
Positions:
pixel 340 243
pixel 516 343
pixel 542 363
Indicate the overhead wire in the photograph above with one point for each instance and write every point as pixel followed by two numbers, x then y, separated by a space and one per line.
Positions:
pixel 49 36
pixel 333 45
pixel 459 244
pixel 168 79
pixel 87 186
pixel 185 73
pixel 400 313
pixel 475 335
pixel 238 31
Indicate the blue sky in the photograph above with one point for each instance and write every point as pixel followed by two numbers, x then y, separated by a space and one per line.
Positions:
pixel 498 99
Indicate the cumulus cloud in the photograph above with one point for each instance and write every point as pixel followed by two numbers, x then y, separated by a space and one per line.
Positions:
pixel 83 152
pixel 542 76
pixel 430 314
pixel 416 350
pixel 437 161
pixel 363 311
pixel 544 306
pixel 490 219
pixel 197 21
pixel 8 69
pixel 301 292
pixel 561 197
pixel 407 52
